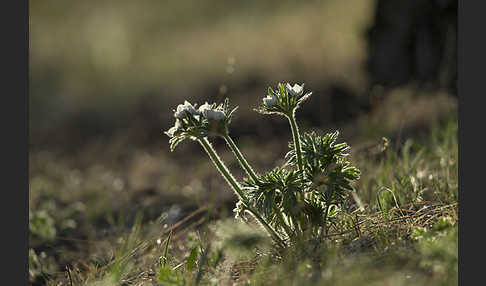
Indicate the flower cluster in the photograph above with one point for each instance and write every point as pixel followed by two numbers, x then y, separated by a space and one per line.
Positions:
pixel 192 122
pixel 285 100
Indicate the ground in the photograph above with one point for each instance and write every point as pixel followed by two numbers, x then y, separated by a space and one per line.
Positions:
pixel 102 215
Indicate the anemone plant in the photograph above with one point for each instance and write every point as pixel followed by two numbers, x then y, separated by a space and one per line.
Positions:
pixel 285 102
pixel 293 202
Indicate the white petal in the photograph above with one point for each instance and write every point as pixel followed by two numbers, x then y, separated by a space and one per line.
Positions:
pixel 295 90
pixel 205 106
pixel 298 88
pixel 270 100
pixel 179 114
pixel 180 107
pixel 211 114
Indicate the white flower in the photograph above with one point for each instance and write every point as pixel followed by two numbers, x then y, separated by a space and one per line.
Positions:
pixel 212 114
pixel 209 113
pixel 203 108
pixel 295 90
pixel 270 100
pixel 182 109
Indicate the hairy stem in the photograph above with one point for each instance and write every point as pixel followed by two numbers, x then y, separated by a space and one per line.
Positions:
pixel 284 224
pixel 236 187
pixel 325 220
pixel 296 135
pixel 241 159
pixel 222 168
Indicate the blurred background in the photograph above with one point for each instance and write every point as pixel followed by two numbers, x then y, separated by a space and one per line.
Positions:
pixel 106 75
pixel 105 68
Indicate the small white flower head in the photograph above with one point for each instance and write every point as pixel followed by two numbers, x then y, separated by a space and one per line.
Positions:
pixel 203 108
pixel 210 113
pixel 284 100
pixel 296 90
pixel 183 109
pixel 207 120
pixel 270 100
pixel 214 114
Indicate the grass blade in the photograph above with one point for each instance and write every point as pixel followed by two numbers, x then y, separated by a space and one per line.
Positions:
pixel 166 250
pixel 191 261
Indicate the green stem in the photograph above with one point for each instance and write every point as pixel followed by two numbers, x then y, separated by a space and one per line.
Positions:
pixel 296 135
pixel 284 224
pixel 236 187
pixel 325 220
pixel 222 168
pixel 241 159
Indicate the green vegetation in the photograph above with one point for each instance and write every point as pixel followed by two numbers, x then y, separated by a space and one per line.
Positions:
pixel 399 226
pixel 292 204
pixel 109 204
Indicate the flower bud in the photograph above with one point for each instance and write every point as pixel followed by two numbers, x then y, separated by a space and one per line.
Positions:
pixel 214 114
pixel 209 113
pixel 270 100
pixel 204 108
pixel 183 109
pixel 295 90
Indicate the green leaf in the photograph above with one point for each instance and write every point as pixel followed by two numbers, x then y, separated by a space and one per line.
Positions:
pixel 175 141
pixel 271 92
pixel 191 260
pixel 166 250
